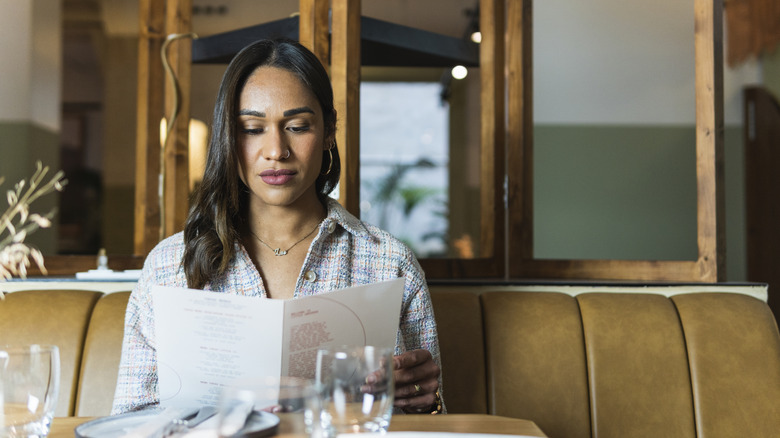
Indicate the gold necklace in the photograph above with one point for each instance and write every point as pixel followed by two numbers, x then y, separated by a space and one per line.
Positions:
pixel 280 251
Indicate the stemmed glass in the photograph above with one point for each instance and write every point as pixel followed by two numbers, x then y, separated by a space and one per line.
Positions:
pixel 29 385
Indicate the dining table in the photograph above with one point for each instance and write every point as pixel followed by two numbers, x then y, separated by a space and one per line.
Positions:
pixel 64 427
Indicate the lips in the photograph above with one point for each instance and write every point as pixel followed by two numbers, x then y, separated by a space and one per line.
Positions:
pixel 277 176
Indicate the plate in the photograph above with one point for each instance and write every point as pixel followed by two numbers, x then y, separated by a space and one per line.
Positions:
pixel 260 424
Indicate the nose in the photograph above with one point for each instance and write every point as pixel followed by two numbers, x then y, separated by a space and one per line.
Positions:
pixel 275 147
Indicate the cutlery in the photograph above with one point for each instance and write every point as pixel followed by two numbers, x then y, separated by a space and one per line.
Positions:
pixel 179 425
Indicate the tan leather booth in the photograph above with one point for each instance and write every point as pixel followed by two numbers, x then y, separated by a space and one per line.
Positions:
pixel 596 364
pixel 607 364
pixel 54 317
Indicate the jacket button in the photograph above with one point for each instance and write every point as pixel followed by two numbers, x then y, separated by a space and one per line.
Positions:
pixel 331 227
pixel 310 276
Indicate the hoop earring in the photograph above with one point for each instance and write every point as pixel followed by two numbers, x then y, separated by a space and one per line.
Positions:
pixel 330 161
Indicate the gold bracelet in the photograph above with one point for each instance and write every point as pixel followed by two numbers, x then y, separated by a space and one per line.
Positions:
pixel 437 407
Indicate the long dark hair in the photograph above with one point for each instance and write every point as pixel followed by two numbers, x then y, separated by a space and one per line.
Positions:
pixel 220 202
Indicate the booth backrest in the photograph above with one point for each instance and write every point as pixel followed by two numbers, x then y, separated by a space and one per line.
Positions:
pixel 596 364
pixel 102 351
pixel 613 364
pixel 53 317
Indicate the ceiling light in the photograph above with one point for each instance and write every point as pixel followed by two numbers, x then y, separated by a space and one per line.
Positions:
pixel 459 72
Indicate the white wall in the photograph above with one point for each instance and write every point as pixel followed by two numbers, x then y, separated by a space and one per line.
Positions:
pixel 621 62
pixel 30 50
pixel 15 52
pixel 46 62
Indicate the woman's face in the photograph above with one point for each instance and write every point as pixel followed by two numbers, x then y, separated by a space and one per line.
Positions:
pixel 277 114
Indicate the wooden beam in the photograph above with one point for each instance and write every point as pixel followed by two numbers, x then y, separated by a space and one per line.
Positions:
pixel 629 270
pixel 67 265
pixel 493 155
pixel 149 112
pixel 709 139
pixel 177 104
pixel 345 77
pixel 313 29
pixel 520 129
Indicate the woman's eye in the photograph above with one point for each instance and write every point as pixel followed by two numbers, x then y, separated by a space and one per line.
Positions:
pixel 251 131
pixel 299 128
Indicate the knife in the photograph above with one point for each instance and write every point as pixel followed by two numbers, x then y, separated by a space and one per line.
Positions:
pixel 179 425
pixel 155 427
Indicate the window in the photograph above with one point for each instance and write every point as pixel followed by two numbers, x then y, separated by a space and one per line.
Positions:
pixel 404 159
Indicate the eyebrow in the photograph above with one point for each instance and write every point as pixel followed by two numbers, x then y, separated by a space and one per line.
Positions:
pixel 247 112
pixel 295 111
pixel 288 113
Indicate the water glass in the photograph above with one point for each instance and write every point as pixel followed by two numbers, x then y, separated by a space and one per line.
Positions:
pixel 29 384
pixel 242 405
pixel 356 389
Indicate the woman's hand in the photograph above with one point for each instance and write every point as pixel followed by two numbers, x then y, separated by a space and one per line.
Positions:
pixel 416 381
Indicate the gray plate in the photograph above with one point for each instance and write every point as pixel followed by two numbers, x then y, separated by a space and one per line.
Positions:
pixel 260 424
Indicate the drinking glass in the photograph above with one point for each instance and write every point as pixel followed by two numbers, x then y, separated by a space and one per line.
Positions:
pixel 29 384
pixel 245 405
pixel 356 389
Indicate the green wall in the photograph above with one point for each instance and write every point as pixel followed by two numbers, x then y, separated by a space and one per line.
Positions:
pixel 771 71
pixel 24 143
pixel 628 192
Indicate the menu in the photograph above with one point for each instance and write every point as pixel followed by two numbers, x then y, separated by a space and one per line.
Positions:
pixel 208 340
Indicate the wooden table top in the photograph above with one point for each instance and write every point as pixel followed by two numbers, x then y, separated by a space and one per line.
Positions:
pixel 63 427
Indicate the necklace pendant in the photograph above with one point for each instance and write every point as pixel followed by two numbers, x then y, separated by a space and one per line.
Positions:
pixel 280 252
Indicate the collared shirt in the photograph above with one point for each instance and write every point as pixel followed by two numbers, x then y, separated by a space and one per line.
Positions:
pixel 346 252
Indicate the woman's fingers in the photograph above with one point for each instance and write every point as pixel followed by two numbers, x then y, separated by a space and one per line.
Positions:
pixel 416 380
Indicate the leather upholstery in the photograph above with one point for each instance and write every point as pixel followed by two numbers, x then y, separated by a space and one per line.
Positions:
pixel 460 329
pixel 621 364
pixel 734 353
pixel 536 361
pixel 598 365
pixel 637 366
pixel 53 317
pixel 101 356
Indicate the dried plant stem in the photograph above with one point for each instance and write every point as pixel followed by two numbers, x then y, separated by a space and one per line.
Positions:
pixel 17 222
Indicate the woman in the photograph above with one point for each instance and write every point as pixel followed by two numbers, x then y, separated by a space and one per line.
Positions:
pixel 263 201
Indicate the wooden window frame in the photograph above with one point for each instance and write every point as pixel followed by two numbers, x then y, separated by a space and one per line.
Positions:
pixel 709 266
pixel 506 166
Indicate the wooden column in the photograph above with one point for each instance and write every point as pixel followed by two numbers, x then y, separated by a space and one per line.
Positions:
pixel 709 139
pixel 493 96
pixel 177 104
pixel 520 128
pixel 150 110
pixel 345 77
pixel 313 29
pixel 154 219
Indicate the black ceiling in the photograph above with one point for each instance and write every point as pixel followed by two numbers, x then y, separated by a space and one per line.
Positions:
pixel 382 44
